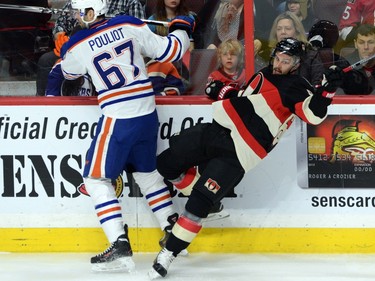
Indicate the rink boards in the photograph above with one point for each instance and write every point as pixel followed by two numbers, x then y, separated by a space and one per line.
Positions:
pixel 300 199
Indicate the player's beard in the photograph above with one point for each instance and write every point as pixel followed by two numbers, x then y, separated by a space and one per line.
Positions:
pixel 276 71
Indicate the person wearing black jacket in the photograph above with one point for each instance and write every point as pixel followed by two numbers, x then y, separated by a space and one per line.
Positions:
pixel 364 43
pixel 246 126
pixel 323 37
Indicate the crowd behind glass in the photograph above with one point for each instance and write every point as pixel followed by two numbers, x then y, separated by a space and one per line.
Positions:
pixel 336 32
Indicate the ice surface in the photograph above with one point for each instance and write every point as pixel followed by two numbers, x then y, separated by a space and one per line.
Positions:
pixel 195 267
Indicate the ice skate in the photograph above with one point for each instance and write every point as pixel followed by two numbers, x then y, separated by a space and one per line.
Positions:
pixel 161 264
pixel 172 219
pixel 118 257
pixel 217 212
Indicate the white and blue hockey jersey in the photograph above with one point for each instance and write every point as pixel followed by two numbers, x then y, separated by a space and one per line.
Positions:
pixel 111 51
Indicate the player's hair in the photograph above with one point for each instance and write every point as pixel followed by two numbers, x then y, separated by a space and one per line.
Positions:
pixel 234 47
pixel 365 30
pixel 303 6
pixel 300 31
pixel 161 14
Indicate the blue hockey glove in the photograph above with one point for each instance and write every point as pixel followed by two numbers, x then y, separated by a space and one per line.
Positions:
pixel 184 23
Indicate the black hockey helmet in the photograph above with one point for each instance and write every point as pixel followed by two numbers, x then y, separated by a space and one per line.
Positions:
pixel 290 46
pixel 323 34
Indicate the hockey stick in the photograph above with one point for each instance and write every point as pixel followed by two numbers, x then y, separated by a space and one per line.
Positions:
pixel 42 10
pixel 358 63
pixel 33 9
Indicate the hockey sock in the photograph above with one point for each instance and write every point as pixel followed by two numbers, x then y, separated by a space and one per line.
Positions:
pixel 186 181
pixel 157 195
pixel 183 232
pixel 107 206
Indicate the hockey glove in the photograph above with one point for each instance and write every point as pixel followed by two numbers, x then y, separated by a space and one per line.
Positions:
pixel 217 90
pixel 332 79
pixel 60 40
pixel 184 23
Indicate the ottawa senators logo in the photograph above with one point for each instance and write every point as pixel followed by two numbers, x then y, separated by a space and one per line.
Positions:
pixel 212 185
pixel 118 185
pixel 351 142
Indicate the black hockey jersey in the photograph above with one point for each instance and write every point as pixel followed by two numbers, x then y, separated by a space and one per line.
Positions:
pixel 265 110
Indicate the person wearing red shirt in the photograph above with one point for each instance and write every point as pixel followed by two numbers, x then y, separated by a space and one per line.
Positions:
pixel 356 12
pixel 230 65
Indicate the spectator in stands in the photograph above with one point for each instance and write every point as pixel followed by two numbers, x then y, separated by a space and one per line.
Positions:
pixel 24 37
pixel 65 24
pixel 231 72
pixel 203 31
pixel 57 85
pixel 264 15
pixel 166 10
pixel 356 13
pixel 330 10
pixel 302 9
pixel 206 29
pixel 228 22
pixel 364 43
pixel 288 25
pixel 323 36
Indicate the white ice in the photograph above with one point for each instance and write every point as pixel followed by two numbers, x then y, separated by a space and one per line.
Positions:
pixel 195 267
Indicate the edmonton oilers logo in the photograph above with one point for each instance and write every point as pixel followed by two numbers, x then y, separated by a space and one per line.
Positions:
pixel 118 185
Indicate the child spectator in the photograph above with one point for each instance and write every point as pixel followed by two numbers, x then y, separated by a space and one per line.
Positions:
pixel 230 70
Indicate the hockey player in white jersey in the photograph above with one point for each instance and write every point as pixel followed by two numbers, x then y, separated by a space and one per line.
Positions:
pixel 111 51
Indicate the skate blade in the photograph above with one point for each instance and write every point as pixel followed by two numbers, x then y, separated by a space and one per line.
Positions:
pixel 153 274
pixel 125 264
pixel 216 216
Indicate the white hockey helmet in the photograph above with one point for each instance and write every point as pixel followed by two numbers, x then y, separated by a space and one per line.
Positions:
pixel 99 6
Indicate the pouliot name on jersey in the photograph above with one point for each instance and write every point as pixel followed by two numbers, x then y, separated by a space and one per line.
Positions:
pixel 106 38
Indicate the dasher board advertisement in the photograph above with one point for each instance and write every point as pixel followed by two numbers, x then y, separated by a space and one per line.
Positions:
pixel 339 152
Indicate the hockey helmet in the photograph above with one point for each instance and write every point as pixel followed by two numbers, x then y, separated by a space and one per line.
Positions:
pixel 290 46
pixel 323 34
pixel 99 6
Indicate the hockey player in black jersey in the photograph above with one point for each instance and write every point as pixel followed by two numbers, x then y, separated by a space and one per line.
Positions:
pixel 246 126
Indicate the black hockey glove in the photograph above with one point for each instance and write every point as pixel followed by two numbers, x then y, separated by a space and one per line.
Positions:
pixel 332 79
pixel 217 90
pixel 184 23
pixel 356 83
